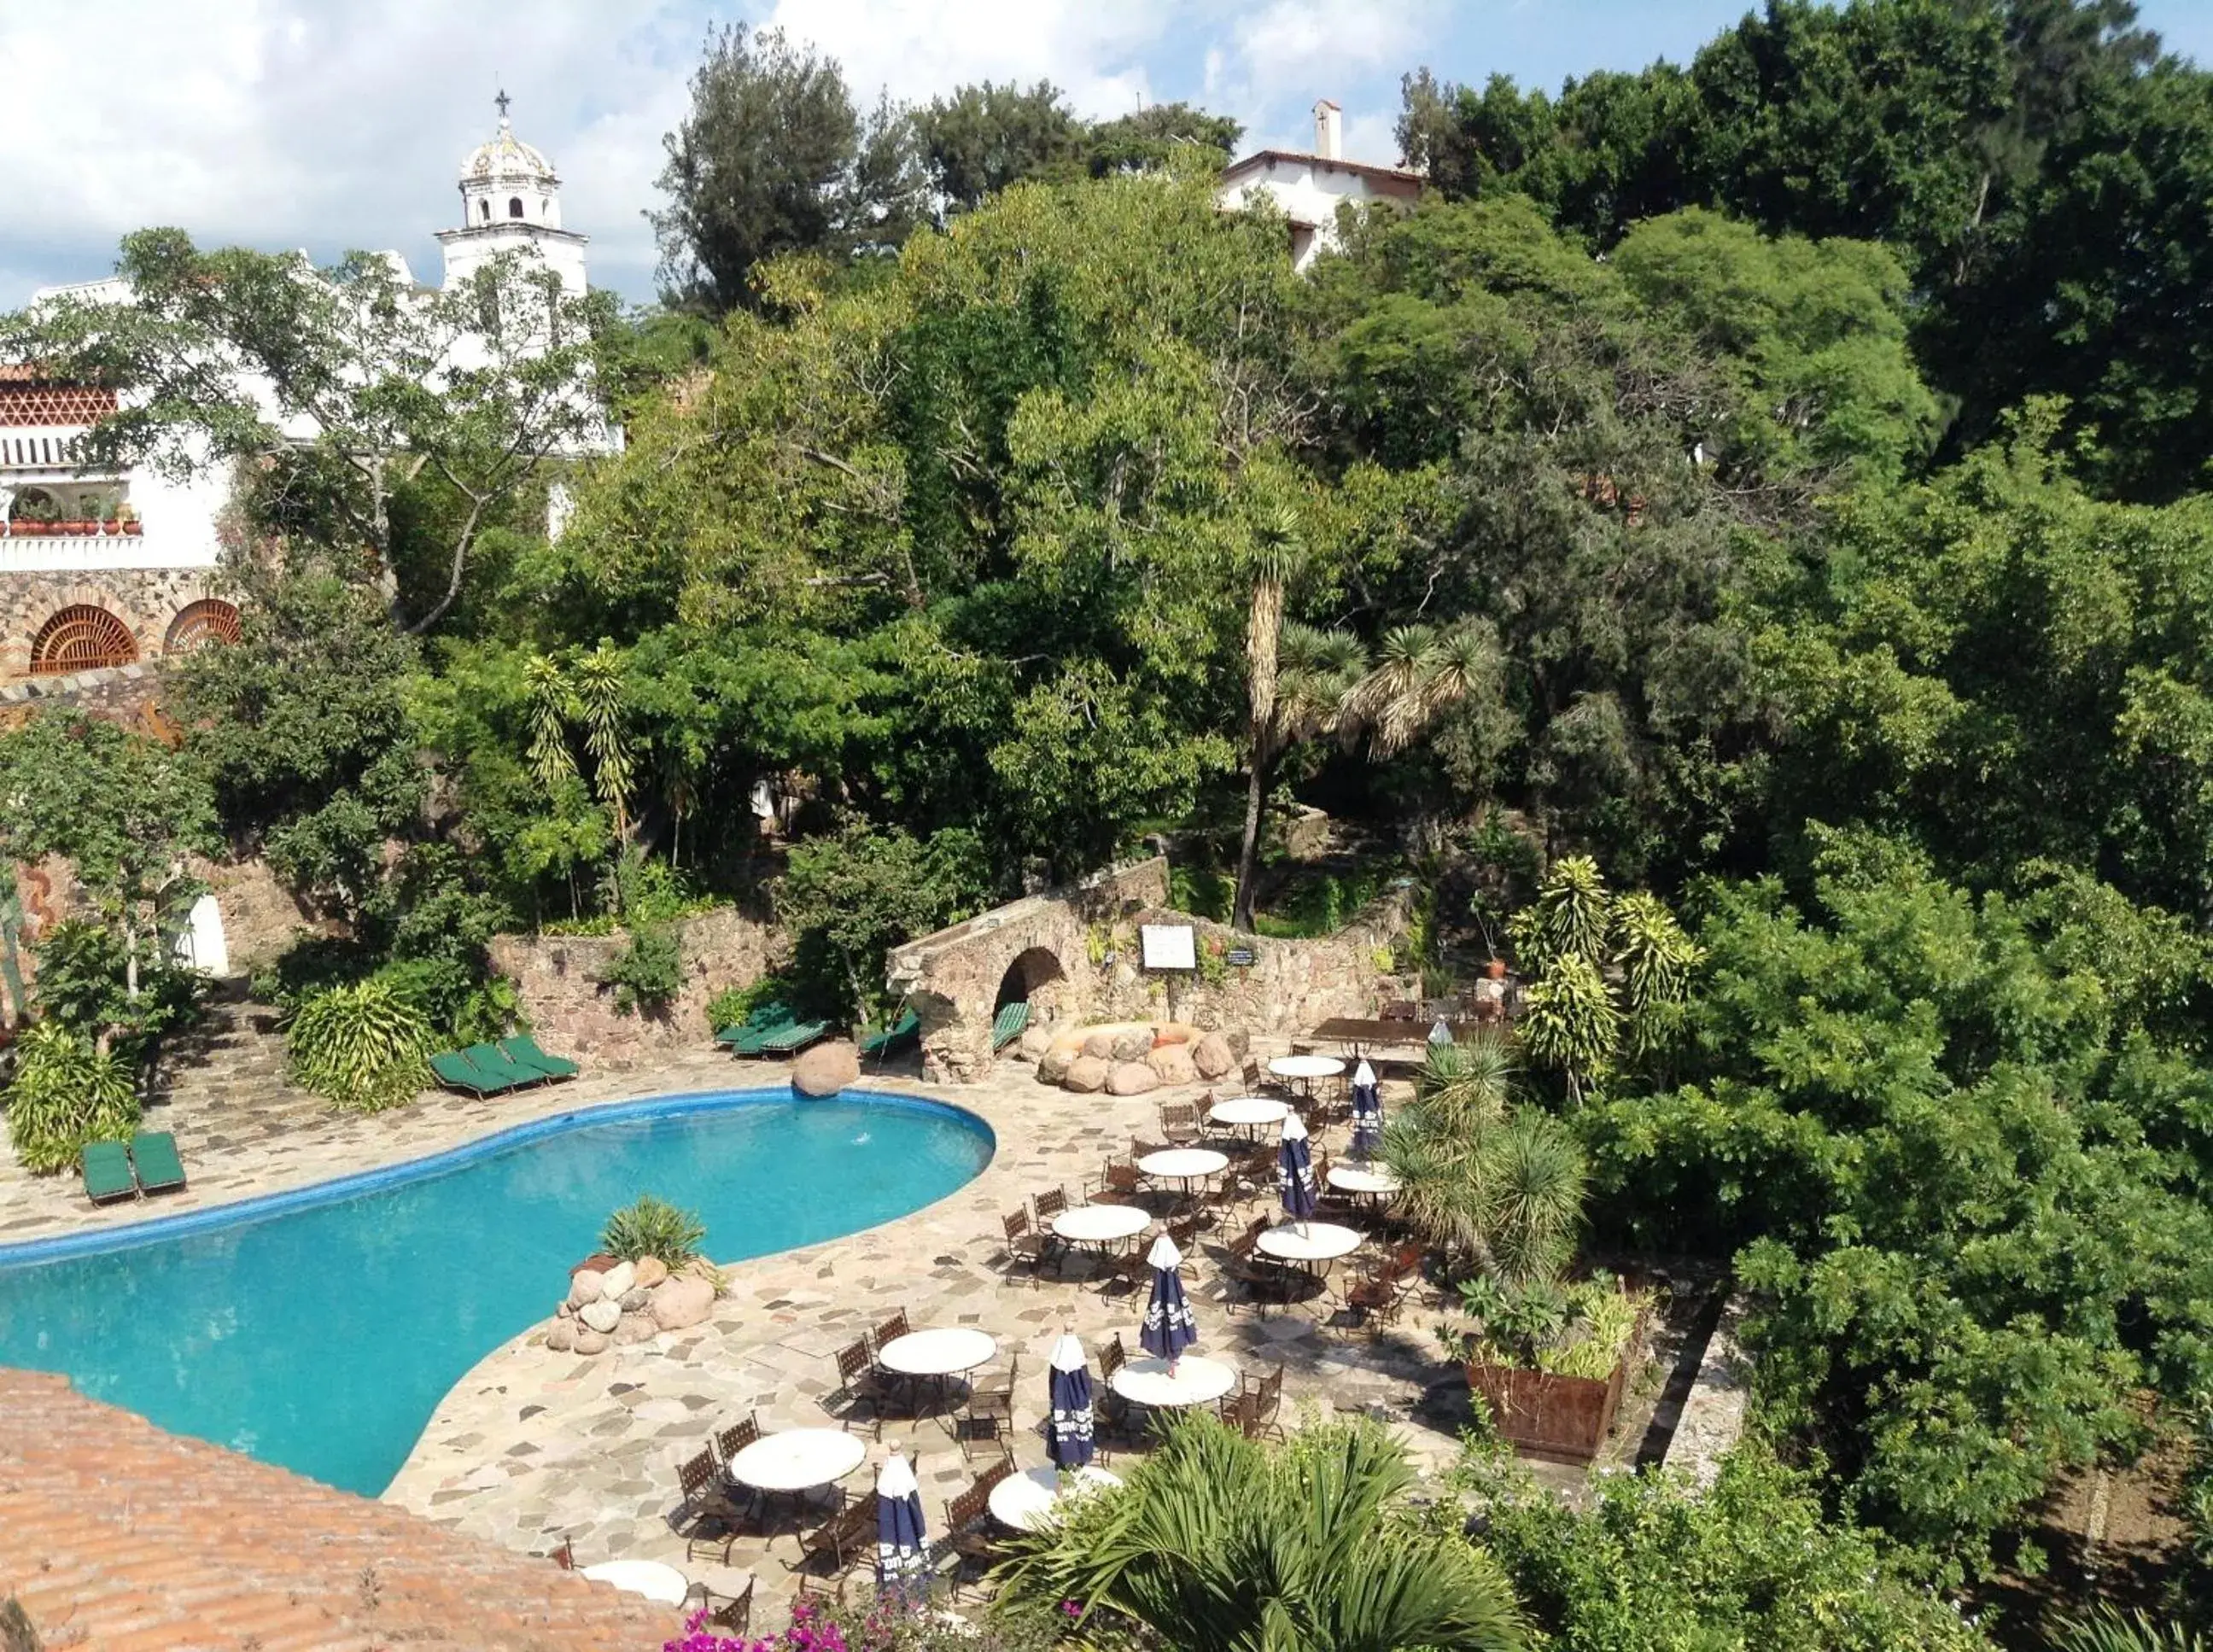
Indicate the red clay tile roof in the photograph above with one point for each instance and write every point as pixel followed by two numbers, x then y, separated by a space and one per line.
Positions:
pixel 116 1535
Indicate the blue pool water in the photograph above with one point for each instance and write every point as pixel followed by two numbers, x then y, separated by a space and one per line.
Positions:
pixel 319 1331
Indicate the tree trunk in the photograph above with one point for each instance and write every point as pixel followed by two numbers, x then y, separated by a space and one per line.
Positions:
pixel 1248 851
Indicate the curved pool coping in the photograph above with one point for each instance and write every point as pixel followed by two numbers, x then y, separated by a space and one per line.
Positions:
pixel 131 1235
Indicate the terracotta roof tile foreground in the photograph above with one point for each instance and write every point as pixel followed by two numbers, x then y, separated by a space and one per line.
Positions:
pixel 116 1535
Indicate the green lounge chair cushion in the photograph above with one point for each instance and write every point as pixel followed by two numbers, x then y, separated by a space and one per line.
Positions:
pixel 1007 1025
pixel 457 1072
pixel 782 1040
pixel 764 1017
pixel 494 1065
pixel 891 1037
pixel 522 1049
pixel 153 1156
pixel 107 1172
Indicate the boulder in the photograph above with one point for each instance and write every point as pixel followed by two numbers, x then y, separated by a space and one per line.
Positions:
pixel 1098 1043
pixel 597 1262
pixel 561 1336
pixel 591 1342
pixel 1133 1078
pixel 1087 1073
pixel 827 1069
pixel 1052 1066
pixel 1173 1063
pixel 1213 1057
pixel 635 1328
pixel 634 1299
pixel 587 1287
pixel 651 1271
pixel 602 1316
pixel 617 1280
pixel 564 1311
pixel 1133 1044
pixel 682 1302
pixel 1175 1032
pixel 1036 1044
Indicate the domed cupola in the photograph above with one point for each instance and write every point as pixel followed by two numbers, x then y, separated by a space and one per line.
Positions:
pixel 510 200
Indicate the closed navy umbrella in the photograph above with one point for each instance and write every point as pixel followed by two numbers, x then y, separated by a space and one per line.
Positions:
pixel 1295 1170
pixel 1068 1426
pixel 1169 1327
pixel 1367 1112
pixel 902 1545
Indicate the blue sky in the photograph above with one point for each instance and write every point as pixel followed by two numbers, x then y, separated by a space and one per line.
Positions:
pixel 335 123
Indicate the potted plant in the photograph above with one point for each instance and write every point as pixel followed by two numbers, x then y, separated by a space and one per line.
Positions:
pixel 1550 1360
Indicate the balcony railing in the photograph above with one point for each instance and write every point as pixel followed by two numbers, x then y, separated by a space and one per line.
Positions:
pixel 70 530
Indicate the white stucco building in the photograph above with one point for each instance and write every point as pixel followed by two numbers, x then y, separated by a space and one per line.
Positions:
pixel 1309 188
pixel 108 569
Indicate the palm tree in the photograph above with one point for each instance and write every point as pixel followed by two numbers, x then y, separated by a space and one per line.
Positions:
pixel 1503 1185
pixel 1218 1542
pixel 1277 550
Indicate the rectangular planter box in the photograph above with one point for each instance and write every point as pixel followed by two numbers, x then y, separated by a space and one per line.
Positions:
pixel 1562 1419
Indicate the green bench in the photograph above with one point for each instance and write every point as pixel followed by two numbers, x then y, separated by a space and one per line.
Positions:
pixel 1010 1024
pixel 906 1030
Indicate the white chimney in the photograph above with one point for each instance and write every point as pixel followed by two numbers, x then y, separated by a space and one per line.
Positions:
pixel 1329 131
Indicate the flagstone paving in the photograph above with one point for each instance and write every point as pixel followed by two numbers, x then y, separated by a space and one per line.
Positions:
pixel 533 1447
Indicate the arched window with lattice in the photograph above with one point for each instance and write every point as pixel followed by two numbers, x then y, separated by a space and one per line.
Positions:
pixel 82 637
pixel 208 620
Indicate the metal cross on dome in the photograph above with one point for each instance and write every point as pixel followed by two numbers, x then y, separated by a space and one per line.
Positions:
pixel 502 101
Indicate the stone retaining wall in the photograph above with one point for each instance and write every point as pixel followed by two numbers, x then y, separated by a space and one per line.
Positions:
pixel 1072 953
pixel 1712 1419
pixel 559 978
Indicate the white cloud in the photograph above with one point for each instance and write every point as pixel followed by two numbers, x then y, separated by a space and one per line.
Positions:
pixel 309 122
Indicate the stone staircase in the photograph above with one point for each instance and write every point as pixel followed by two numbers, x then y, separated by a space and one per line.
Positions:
pixel 225 1080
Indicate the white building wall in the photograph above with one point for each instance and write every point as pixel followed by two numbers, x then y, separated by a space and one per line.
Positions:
pixel 1308 190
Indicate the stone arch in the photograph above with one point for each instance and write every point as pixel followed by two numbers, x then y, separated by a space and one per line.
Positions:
pixel 210 619
pixel 1034 976
pixel 81 637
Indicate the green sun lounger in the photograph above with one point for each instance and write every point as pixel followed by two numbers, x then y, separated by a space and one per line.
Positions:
pixel 790 1040
pixel 522 1049
pixel 457 1072
pixel 745 1038
pixel 1008 1024
pixel 107 1175
pixel 893 1039
pixel 153 1156
pixel 494 1065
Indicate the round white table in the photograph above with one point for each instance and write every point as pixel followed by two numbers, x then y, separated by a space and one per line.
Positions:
pixel 1305 1067
pixel 938 1353
pixel 1184 1164
pixel 797 1460
pixel 1249 1113
pixel 1352 1179
pixel 1309 1242
pixel 655 1581
pixel 1100 1224
pixel 1198 1382
pixel 1026 1501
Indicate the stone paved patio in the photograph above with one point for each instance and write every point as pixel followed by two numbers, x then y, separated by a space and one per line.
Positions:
pixel 533 1447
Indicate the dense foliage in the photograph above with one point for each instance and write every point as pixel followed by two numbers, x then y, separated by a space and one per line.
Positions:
pixel 62 1095
pixel 362 1046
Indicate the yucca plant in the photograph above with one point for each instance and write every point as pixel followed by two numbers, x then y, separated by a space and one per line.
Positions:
pixel 1217 1542
pixel 362 1046
pixel 63 1095
pixel 1567 919
pixel 652 1227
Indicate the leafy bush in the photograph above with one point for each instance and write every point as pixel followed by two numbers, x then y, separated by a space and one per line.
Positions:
pixel 64 1094
pixel 647 973
pixel 361 1046
pixel 84 982
pixel 653 1227
pixel 1752 1562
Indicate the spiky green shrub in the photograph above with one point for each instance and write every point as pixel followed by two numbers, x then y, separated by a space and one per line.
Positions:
pixel 1655 959
pixel 1571 1024
pixel 64 1095
pixel 362 1046
pixel 2109 1630
pixel 653 1227
pixel 1569 917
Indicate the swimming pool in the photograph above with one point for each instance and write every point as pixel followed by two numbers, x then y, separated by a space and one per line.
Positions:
pixel 320 1329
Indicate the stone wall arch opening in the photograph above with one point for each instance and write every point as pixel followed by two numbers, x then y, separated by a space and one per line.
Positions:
pixel 1035 978
pixel 210 620
pixel 82 637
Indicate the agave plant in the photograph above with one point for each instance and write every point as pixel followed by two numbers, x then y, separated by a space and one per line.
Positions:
pixel 653 1227
pixel 1217 1542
